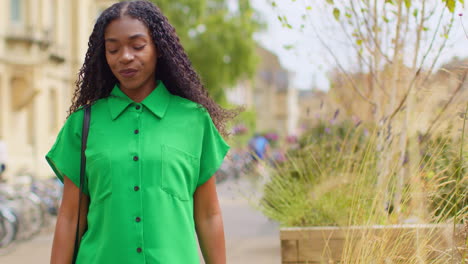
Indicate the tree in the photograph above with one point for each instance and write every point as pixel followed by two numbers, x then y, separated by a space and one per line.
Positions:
pixel 218 39
pixel 396 45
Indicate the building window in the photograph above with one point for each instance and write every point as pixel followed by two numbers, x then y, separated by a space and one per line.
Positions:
pixel 53 104
pixel 31 125
pixel 2 109
pixel 15 10
pixel 54 21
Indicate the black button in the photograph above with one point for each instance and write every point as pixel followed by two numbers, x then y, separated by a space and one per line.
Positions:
pixel 135 158
pixel 138 219
pixel 136 131
pixel 136 188
pixel 139 250
pixel 137 107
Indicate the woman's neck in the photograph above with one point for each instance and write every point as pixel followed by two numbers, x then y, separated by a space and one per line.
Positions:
pixel 138 94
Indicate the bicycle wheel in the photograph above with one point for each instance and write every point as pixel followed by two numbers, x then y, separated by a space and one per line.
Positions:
pixel 35 214
pixel 8 227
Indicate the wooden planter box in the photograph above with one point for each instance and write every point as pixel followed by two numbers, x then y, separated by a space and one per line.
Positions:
pixel 303 245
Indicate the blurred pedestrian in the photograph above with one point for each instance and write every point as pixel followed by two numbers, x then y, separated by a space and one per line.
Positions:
pixel 259 147
pixel 154 144
pixel 3 159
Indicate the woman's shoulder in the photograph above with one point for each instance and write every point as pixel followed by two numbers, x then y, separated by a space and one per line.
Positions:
pixel 179 101
pixel 77 116
pixel 188 107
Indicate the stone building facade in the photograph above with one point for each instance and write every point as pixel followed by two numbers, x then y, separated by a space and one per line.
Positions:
pixel 271 95
pixel 42 46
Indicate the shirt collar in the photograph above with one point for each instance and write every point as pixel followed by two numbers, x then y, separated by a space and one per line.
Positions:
pixel 157 101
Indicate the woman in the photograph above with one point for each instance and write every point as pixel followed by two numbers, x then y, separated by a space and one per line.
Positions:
pixel 153 147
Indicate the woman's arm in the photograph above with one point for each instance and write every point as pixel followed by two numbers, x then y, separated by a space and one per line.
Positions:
pixel 65 228
pixel 209 223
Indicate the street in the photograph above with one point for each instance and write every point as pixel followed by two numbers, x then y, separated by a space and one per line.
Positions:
pixel 250 237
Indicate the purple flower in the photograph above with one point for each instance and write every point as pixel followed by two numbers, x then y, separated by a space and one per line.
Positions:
pixel 271 136
pixel 291 139
pixel 337 112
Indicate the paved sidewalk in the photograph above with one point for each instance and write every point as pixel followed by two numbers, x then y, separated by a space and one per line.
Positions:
pixel 250 237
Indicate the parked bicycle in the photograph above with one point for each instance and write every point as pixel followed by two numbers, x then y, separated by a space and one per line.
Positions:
pixel 26 206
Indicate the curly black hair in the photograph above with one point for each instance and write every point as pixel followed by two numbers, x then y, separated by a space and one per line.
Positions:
pixel 174 69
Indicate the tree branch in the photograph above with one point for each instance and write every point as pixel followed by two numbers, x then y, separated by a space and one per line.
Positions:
pixel 369 29
pixel 418 72
pixel 418 34
pixel 460 86
pixel 361 58
pixel 353 85
pixel 441 48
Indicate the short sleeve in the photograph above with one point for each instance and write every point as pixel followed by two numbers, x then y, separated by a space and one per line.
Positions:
pixel 214 150
pixel 65 155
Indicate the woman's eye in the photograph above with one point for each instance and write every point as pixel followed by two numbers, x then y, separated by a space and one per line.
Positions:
pixel 112 51
pixel 139 47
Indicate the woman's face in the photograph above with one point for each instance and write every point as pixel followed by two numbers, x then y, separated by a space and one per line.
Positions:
pixel 131 53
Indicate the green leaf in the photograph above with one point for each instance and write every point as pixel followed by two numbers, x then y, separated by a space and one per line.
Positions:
pixel 359 42
pixel 450 4
pixel 308 8
pixel 408 3
pixel 385 19
pixel 415 12
pixel 425 29
pixel 461 2
pixel 288 47
pixel 389 2
pixel 331 2
pixel 273 4
pixel 336 13
pixel 348 15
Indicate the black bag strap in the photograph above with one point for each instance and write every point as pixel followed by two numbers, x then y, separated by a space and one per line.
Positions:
pixel 84 140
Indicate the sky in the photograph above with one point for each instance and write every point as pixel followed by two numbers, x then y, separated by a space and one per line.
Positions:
pixel 307 59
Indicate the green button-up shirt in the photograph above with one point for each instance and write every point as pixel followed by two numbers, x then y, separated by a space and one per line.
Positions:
pixel 144 163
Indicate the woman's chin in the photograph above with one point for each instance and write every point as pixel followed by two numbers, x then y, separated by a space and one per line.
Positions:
pixel 129 85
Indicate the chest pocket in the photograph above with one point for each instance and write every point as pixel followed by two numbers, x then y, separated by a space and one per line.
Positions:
pixel 179 173
pixel 98 169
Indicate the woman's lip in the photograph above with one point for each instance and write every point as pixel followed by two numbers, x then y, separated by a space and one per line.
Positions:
pixel 128 73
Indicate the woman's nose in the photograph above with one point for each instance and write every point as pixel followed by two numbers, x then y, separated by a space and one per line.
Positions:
pixel 127 56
